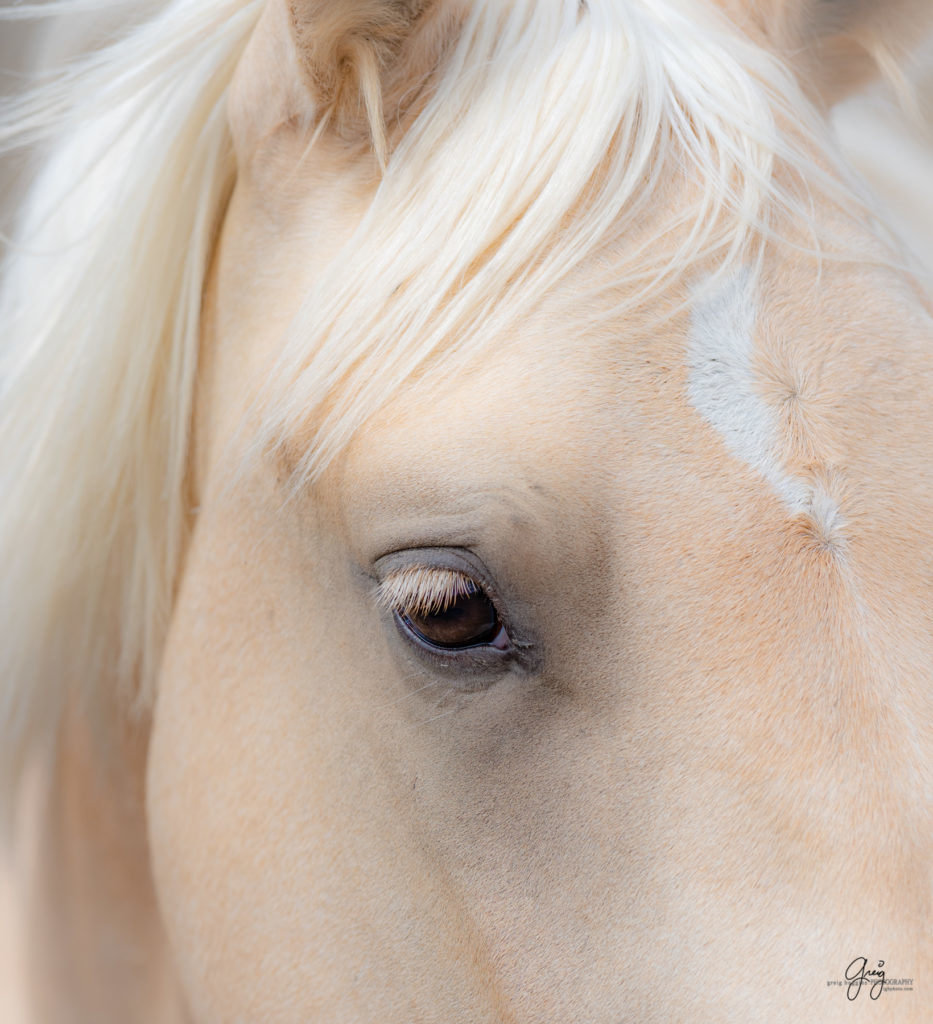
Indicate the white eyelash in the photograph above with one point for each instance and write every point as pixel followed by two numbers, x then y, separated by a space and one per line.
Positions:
pixel 424 590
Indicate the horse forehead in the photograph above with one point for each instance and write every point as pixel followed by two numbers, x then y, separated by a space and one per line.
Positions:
pixel 779 383
pixel 725 387
pixel 543 429
pixel 562 400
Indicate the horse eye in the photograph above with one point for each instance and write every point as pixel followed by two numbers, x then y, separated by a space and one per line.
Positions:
pixel 469 620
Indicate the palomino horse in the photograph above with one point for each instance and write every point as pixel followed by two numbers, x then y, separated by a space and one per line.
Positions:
pixel 467 517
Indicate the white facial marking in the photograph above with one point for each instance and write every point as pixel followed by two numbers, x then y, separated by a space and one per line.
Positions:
pixel 721 388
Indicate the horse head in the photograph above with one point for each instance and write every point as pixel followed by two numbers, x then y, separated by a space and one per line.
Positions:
pixel 532 471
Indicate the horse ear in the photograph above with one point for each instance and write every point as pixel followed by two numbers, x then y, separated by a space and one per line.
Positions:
pixel 838 45
pixel 339 64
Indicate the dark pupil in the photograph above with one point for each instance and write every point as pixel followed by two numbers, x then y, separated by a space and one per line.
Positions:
pixel 470 620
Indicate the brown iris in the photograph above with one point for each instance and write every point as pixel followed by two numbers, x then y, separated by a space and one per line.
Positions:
pixel 469 620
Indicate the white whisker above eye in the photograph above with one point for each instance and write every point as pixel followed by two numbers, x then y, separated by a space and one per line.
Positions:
pixel 425 589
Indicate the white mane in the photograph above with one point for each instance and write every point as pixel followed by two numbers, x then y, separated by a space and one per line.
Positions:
pixel 550 120
pixel 100 314
pixel 486 206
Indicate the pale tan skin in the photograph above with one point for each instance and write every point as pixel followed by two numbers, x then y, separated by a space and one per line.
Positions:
pixel 707 793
